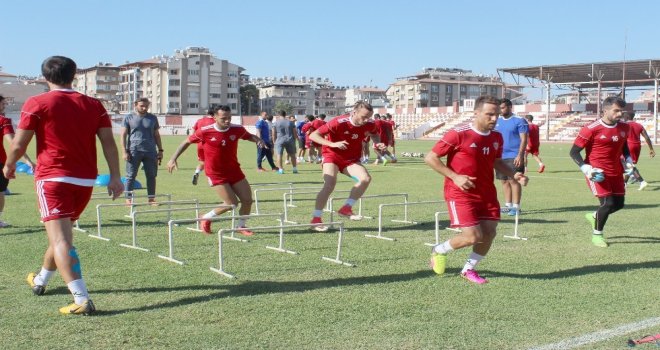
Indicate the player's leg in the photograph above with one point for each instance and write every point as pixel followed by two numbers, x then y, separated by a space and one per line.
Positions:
pixel 150 166
pixel 290 148
pixel 462 215
pixel 132 167
pixel 261 153
pixel 243 191
pixel 479 251
pixel 200 164
pixel 269 156
pixel 516 195
pixel 224 190
pixel 357 172
pixel 3 187
pixel 278 158
pixel 330 171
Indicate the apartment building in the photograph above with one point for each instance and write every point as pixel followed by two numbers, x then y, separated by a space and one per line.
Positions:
pixel 101 82
pixel 375 96
pixel 439 87
pixel 307 95
pixel 299 95
pixel 329 100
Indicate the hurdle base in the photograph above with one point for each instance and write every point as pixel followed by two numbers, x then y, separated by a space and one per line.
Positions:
pixel 405 221
pixel 128 216
pixel 134 247
pixel 292 206
pixel 381 237
pixel 291 222
pixel 222 272
pixel 338 262
pixel 170 259
pixel 366 217
pixel 193 229
pixel 516 237
pixel 282 250
pixel 99 237
pixel 430 244
pixel 234 238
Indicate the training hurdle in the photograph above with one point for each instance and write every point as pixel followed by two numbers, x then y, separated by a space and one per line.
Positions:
pixel 337 260
pixel 172 223
pixel 437 228
pixel 104 195
pixel 405 219
pixel 515 228
pixel 196 208
pixel 98 234
pixel 359 215
pixel 278 189
pixel 286 206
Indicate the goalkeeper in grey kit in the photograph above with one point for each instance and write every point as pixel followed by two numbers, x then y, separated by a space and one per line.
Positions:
pixel 605 143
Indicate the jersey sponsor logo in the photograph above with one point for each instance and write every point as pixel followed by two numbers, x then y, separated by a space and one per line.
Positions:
pixel 473 145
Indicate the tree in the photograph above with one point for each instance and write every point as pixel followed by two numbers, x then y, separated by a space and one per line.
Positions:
pixel 282 106
pixel 249 99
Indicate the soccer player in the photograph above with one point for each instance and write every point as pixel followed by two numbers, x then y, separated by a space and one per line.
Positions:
pixel 6 129
pixel 141 143
pixel 385 134
pixel 392 144
pixel 341 141
pixel 302 148
pixel 263 126
pixel 66 124
pixel 514 132
pixel 534 142
pixel 317 124
pixel 285 136
pixel 220 142
pixel 635 147
pixel 605 142
pixel 307 129
pixel 201 122
pixel 472 152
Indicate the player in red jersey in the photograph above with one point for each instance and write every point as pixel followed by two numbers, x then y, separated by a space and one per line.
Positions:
pixel 342 147
pixel 317 124
pixel 635 147
pixel 201 122
pixel 385 134
pixel 605 143
pixel 533 143
pixel 220 142
pixel 392 144
pixel 472 152
pixel 66 124
pixel 307 129
pixel 6 129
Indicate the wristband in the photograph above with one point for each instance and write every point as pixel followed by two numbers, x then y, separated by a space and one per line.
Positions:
pixel 160 150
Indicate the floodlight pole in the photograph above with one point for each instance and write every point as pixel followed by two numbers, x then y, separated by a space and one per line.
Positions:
pixel 655 112
pixel 547 114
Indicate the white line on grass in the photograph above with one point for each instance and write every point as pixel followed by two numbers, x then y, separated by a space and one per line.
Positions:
pixel 601 335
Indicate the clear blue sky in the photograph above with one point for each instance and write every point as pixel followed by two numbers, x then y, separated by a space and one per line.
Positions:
pixel 351 42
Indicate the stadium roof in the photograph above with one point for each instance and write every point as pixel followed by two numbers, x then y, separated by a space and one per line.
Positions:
pixel 586 75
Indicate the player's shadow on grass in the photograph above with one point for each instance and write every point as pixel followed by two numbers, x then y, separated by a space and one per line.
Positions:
pixel 253 288
pixel 23 231
pixel 578 271
pixel 632 240
pixel 585 208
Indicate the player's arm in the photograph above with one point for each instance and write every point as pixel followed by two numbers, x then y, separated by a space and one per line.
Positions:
pixel 10 137
pixel 171 164
pixel 17 149
pixel 588 171
pixel 109 147
pixel 375 138
pixel 518 161
pixel 464 182
pixel 503 168
pixel 318 138
pixel 159 144
pixel 256 139
pixel 124 143
pixel 646 137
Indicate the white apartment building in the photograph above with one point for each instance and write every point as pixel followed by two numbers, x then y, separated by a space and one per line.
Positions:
pixel 299 95
pixel 439 87
pixel 101 82
pixel 374 96
pixel 307 95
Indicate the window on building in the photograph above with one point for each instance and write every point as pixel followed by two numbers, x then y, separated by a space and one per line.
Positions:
pixel 175 82
pixel 193 105
pixel 193 94
pixel 193 71
pixel 174 105
pixel 174 72
pixel 174 93
pixel 434 88
pixel 233 106
pixel 216 95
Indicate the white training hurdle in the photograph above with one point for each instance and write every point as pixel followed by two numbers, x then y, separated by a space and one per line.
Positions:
pixel 196 208
pixel 286 206
pixel 359 215
pixel 437 228
pixel 170 233
pixel 405 220
pixel 515 228
pixel 337 260
pixel 98 234
pixel 278 189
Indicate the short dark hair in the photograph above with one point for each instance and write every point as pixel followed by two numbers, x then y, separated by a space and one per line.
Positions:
pixel 59 70
pixel 529 117
pixel 482 100
pixel 2 98
pixel 614 100
pixel 213 110
pixel 143 100
pixel 629 114
pixel 506 101
pixel 282 113
pixel 363 104
pixel 376 116
pixel 322 116
pixel 310 117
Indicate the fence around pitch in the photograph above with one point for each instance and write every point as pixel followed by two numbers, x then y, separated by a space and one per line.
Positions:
pixel 196 208
pixel 405 204
pixel 290 194
pixel 98 234
pixel 172 223
pixel 337 260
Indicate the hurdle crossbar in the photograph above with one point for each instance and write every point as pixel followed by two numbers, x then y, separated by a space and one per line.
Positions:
pixel 437 228
pixel 359 216
pixel 196 208
pixel 337 260
pixel 172 223
pixel 286 210
pixel 278 189
pixel 98 234
pixel 380 216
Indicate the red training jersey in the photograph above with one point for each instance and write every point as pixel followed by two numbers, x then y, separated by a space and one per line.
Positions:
pixel 634 137
pixel 342 128
pixel 384 130
pixel 65 123
pixel 6 128
pixel 471 153
pixel 604 145
pixel 203 121
pixel 533 140
pixel 220 148
pixel 317 123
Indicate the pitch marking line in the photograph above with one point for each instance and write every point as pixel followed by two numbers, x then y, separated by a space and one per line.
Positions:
pixel 530 176
pixel 601 335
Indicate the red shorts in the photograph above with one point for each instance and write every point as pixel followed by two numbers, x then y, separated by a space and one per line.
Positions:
pixel 635 149
pixel 339 162
pixel 532 150
pixel 58 200
pixel 612 185
pixel 200 152
pixel 470 213
pixel 221 179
